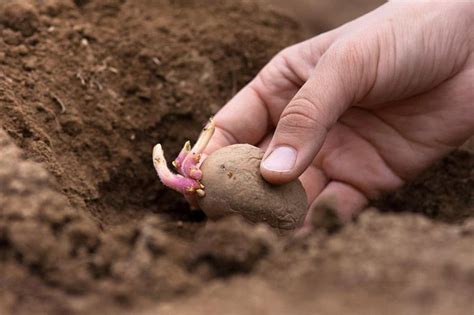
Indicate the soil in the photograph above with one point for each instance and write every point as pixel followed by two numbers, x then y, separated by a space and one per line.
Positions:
pixel 87 87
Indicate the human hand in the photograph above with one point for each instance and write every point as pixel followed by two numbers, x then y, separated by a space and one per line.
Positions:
pixel 364 108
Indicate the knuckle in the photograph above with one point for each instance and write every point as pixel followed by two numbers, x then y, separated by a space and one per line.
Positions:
pixel 285 53
pixel 346 54
pixel 350 51
pixel 351 60
pixel 281 63
pixel 281 58
pixel 301 114
pixel 266 77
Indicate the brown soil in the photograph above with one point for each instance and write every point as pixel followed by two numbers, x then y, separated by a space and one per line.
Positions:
pixel 87 87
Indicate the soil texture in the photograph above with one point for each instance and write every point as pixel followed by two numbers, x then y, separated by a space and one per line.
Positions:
pixel 87 87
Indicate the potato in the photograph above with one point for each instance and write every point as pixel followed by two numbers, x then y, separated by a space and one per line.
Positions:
pixel 233 185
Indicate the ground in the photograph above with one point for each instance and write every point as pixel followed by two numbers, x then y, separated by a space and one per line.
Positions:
pixel 87 87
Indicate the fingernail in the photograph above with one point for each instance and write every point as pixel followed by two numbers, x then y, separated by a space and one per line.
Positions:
pixel 282 159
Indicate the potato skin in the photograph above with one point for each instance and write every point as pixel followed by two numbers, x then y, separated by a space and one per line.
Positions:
pixel 233 185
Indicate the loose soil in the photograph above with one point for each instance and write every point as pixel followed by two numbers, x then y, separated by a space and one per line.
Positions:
pixel 87 87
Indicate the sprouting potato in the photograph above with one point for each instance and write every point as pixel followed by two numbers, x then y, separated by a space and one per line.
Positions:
pixel 229 182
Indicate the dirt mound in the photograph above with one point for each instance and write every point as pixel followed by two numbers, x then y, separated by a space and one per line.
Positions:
pixel 87 87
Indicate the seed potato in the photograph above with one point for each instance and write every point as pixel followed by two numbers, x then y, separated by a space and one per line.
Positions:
pixel 233 185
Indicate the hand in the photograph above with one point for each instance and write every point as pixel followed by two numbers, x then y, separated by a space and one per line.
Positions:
pixel 364 108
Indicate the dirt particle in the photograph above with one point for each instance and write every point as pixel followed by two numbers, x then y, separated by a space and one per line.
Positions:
pixel 81 236
pixel 468 227
pixel 11 37
pixel 20 50
pixel 30 63
pixel 56 7
pixel 325 218
pixel 448 184
pixel 81 3
pixel 71 126
pixel 231 246
pixel 20 15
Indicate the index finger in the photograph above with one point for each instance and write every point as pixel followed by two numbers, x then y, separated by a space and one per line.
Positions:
pixel 256 109
pixel 244 119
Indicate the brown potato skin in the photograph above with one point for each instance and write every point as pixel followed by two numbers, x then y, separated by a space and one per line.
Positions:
pixel 233 185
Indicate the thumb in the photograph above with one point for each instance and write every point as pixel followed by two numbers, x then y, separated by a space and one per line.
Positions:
pixel 333 86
